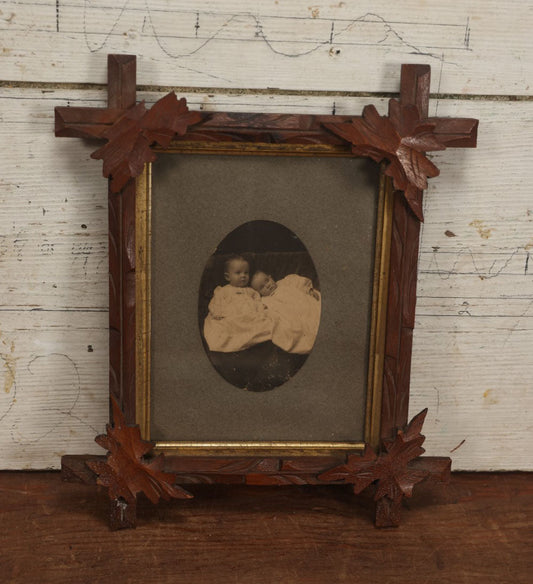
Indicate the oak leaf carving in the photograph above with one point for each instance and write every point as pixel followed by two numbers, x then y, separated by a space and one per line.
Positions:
pixel 130 138
pixel 402 138
pixel 390 468
pixel 127 469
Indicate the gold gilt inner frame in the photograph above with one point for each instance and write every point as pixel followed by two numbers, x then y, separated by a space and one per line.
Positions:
pixel 377 328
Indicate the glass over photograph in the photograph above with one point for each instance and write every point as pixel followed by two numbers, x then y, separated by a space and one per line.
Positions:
pixel 261 288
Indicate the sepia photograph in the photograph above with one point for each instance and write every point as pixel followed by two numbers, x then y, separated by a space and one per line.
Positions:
pixel 259 306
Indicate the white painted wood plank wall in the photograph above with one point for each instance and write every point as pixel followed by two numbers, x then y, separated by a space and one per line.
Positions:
pixel 480 47
pixel 472 363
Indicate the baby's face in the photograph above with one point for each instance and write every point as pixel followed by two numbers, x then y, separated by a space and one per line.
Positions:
pixel 263 283
pixel 238 273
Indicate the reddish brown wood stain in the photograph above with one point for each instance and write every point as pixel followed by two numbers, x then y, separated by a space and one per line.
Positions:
pixel 128 148
pixel 476 529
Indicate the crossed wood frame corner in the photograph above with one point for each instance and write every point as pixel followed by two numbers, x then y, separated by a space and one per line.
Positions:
pixel 132 134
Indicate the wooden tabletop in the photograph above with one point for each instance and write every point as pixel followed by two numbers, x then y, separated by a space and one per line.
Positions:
pixel 477 530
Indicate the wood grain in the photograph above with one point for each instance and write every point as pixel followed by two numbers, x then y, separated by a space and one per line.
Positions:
pixel 480 47
pixel 121 234
pixel 477 530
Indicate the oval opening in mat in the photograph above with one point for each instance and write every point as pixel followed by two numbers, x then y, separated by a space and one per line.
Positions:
pixel 259 306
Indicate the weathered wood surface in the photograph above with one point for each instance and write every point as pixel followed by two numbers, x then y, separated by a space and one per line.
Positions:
pixel 473 47
pixel 475 302
pixel 472 361
pixel 477 529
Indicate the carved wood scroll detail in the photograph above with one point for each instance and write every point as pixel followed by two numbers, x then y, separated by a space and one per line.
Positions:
pixel 390 469
pixel 130 138
pixel 402 138
pixel 128 470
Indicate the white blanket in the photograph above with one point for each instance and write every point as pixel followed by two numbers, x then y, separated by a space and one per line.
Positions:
pixel 295 312
pixel 237 320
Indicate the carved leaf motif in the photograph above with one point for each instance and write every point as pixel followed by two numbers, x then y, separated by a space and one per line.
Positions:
pixel 167 117
pixel 390 469
pixel 130 138
pixel 402 138
pixel 127 471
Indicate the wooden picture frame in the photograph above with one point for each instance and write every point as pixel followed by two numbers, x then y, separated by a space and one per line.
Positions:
pixel 389 456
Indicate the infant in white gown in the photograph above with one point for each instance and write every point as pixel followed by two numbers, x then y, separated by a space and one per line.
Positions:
pixel 294 308
pixel 237 318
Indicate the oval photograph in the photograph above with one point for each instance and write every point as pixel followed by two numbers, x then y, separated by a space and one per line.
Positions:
pixel 259 306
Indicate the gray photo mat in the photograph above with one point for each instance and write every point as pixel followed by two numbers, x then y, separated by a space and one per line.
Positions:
pixel 331 205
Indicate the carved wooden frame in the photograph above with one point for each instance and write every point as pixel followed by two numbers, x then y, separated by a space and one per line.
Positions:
pixel 133 135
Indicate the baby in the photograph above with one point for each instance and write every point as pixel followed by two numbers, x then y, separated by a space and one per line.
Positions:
pixel 294 307
pixel 237 319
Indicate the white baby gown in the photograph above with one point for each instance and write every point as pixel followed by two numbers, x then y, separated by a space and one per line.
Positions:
pixel 237 320
pixel 295 314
